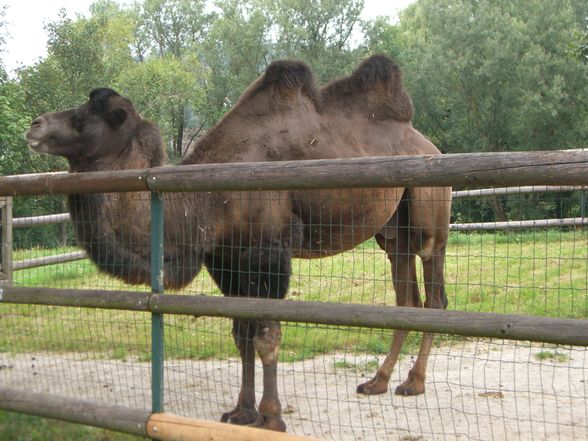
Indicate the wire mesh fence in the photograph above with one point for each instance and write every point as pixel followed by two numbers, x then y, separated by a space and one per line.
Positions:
pixel 476 388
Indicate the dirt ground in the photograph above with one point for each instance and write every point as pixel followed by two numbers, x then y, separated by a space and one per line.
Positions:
pixel 476 390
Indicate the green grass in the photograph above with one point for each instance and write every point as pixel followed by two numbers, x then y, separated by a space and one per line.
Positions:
pixel 540 273
pixel 20 427
pixel 552 356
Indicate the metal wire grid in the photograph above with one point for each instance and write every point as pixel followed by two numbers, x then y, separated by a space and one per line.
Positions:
pixel 477 389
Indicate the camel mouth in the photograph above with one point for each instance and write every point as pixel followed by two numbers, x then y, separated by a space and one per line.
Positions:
pixel 38 145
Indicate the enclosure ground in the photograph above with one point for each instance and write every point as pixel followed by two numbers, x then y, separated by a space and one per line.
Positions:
pixel 476 390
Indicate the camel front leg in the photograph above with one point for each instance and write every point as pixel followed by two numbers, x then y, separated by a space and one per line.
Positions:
pixel 267 344
pixel 267 276
pixel 244 412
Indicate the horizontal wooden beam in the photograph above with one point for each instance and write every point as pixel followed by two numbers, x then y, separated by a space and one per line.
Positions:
pixel 33 221
pixel 475 324
pixel 74 183
pixel 474 169
pixel 518 225
pixel 48 260
pixel 160 426
pixel 121 419
pixel 166 427
pixel 502 191
pixel 124 300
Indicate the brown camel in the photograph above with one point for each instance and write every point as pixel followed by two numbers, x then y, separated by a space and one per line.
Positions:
pixel 247 240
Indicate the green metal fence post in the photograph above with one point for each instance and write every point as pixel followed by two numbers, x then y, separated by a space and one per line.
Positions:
pixel 156 288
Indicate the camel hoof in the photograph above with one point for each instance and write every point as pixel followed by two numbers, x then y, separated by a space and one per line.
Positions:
pixel 373 387
pixel 240 416
pixel 269 422
pixel 410 388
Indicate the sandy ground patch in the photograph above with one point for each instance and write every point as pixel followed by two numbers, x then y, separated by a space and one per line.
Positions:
pixel 476 390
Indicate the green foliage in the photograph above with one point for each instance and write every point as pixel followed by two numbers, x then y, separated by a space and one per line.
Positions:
pixel 383 37
pixel 14 157
pixel 83 54
pixel 163 89
pixel 319 33
pixel 581 50
pixel 237 48
pixel 171 27
pixel 552 356
pixel 495 76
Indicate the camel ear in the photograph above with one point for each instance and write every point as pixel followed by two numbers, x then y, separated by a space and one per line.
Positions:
pixel 116 117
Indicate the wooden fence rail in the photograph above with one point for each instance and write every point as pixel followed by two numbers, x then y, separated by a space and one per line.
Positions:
pixel 520 225
pixel 48 260
pixel 160 426
pixel 502 191
pixel 473 169
pixel 33 221
pixel 476 324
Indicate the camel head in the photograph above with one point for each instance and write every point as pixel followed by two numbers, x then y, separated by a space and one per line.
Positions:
pixel 100 129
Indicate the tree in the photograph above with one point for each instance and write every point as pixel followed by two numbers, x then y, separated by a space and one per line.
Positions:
pixel 237 49
pixel 494 76
pixel 582 49
pixel 164 90
pixel 172 27
pixel 82 54
pixel 383 37
pixel 497 76
pixel 318 32
pixel 172 30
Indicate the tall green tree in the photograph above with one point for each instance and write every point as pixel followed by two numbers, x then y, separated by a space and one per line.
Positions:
pixel 382 37
pixel 171 27
pixel 582 48
pixel 318 32
pixel 174 30
pixel 83 54
pixel 165 90
pixel 495 76
pixel 237 49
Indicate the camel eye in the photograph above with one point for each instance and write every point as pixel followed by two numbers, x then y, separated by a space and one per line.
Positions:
pixel 77 121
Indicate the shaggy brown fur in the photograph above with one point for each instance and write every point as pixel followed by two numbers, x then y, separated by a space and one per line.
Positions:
pixel 247 240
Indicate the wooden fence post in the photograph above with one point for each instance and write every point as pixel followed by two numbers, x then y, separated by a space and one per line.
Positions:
pixel 6 241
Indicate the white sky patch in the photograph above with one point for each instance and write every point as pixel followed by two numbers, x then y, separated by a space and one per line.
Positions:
pixel 27 39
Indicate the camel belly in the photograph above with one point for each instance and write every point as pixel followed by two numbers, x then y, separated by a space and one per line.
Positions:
pixel 333 221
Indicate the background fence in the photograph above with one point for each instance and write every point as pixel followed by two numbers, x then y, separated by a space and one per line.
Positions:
pixel 478 388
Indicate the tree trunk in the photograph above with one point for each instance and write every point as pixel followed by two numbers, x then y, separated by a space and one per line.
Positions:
pixel 180 134
pixel 498 208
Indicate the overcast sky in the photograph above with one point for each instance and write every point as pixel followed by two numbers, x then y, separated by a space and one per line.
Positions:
pixel 27 39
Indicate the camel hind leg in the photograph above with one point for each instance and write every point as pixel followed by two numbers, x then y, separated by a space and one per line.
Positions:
pixel 429 220
pixel 395 240
pixel 419 227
